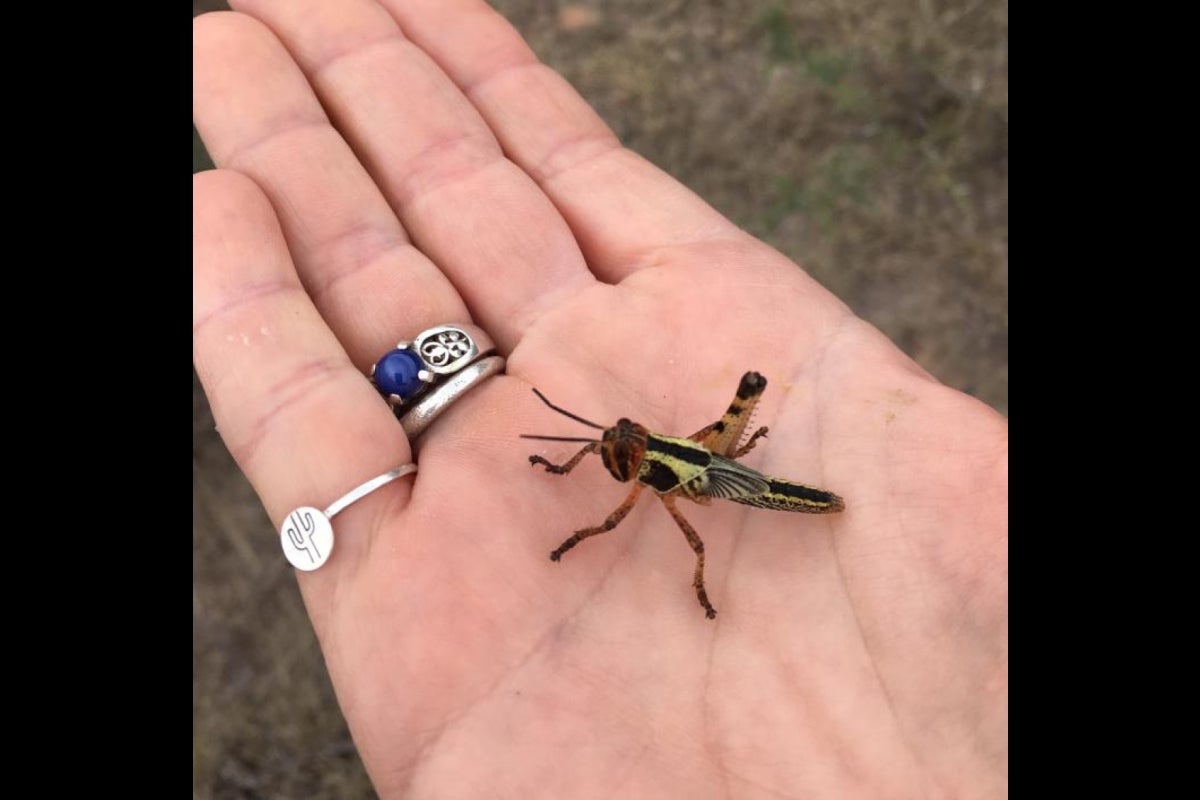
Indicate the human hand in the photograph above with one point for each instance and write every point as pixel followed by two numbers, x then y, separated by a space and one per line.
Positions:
pixel 862 653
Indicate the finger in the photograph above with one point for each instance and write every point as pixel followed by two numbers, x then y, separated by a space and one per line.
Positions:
pixel 624 211
pixel 258 115
pixel 472 211
pixel 303 424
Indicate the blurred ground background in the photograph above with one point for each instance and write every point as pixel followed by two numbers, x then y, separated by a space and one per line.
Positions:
pixel 866 139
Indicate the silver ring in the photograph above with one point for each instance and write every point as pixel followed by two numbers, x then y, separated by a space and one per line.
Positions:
pixel 307 533
pixel 419 379
pixel 412 368
pixel 424 411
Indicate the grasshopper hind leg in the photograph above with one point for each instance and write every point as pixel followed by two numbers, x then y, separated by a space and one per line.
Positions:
pixel 722 436
pixel 749 445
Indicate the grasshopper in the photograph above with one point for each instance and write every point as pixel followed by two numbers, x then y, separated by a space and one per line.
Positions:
pixel 699 468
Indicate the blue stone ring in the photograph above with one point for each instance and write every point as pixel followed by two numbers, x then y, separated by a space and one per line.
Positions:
pixel 414 369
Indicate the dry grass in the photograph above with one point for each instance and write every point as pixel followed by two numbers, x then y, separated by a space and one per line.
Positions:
pixel 867 139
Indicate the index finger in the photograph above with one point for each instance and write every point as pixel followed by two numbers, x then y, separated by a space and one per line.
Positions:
pixel 623 210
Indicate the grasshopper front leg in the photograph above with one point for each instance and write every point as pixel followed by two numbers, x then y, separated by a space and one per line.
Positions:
pixel 613 520
pixel 594 447
pixel 697 546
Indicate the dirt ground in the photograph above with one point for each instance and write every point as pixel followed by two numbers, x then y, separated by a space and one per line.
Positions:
pixel 867 140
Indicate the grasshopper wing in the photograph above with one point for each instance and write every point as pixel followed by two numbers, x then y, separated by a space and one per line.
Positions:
pixel 729 480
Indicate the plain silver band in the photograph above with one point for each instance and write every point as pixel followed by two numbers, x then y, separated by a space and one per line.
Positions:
pixel 427 408
pixel 368 487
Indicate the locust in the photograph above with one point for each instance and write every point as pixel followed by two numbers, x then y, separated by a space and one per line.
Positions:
pixel 700 468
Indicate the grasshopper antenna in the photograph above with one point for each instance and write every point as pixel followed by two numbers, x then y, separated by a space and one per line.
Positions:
pixel 558 438
pixel 566 413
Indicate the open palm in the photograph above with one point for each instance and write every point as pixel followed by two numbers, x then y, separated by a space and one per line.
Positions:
pixel 387 168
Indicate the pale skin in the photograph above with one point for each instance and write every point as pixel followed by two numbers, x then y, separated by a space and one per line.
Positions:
pixel 384 168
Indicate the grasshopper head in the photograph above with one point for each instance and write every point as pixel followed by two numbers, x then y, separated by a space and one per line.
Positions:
pixel 622 448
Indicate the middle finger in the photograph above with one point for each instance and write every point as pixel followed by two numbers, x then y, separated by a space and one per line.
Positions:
pixel 477 215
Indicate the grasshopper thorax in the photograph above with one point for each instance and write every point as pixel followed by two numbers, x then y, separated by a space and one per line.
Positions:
pixel 622 448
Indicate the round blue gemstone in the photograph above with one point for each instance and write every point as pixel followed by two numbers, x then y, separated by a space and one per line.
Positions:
pixel 396 373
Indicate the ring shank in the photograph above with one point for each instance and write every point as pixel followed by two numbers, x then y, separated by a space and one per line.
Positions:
pixel 362 491
pixel 425 410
